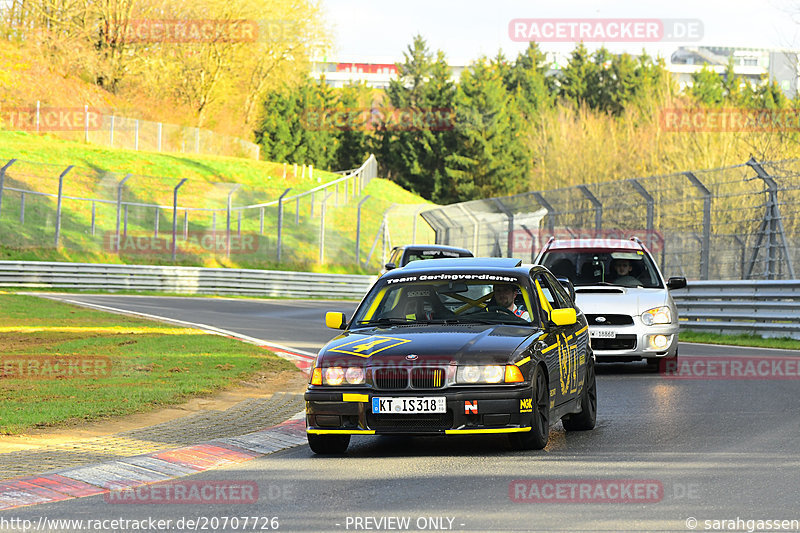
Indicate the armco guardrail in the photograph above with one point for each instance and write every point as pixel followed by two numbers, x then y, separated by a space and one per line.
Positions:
pixel 189 280
pixel 766 308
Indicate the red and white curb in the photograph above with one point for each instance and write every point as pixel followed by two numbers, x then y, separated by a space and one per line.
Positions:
pixel 132 472
pixel 161 466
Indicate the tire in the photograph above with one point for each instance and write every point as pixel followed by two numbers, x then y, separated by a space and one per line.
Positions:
pixel 536 438
pixel 585 420
pixel 328 444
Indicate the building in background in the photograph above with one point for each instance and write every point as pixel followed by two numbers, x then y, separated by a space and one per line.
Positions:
pixel 753 65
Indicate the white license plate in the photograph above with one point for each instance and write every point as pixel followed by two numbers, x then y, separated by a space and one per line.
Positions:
pixel 409 405
pixel 602 333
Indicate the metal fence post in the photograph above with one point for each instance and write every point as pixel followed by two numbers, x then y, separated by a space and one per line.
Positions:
pixel 598 208
pixel 3 179
pixel 650 212
pixel 772 225
pixel 551 213
pixel 297 211
pixel 475 228
pixel 322 228
pixel 119 205
pixel 158 217
pixel 706 243
pixel 58 205
pixel 280 222
pixel 22 209
pixel 228 221
pixel 160 125
pixel 185 224
pixel 93 216
pixel 175 219
pixel 509 235
pixel 358 231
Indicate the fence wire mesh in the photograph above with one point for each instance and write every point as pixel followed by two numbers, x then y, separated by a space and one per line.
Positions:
pixel 738 222
pixel 151 220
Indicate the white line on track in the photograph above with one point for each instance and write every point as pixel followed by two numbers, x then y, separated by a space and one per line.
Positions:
pixel 294 352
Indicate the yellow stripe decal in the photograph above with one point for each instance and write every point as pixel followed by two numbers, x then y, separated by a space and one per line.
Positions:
pixel 551 347
pixel 341 431
pixel 584 328
pixel 499 430
pixel 520 363
pixel 355 398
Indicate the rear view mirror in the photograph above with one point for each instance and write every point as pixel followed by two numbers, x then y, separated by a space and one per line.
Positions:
pixel 676 283
pixel 389 266
pixel 335 320
pixel 564 317
pixel 570 288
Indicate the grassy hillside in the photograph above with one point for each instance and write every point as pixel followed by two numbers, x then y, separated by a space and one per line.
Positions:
pixel 29 233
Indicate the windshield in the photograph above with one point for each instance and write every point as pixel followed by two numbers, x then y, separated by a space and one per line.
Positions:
pixel 422 301
pixel 622 268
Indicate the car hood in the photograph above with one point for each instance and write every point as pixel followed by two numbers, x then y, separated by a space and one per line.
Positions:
pixel 439 344
pixel 619 300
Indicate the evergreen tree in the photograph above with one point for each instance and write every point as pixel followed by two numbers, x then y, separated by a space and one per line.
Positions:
pixel 576 76
pixel 527 81
pixel 707 87
pixel 489 157
pixel 353 137
pixel 412 154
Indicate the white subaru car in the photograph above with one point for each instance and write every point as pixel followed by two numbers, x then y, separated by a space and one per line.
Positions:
pixel 625 298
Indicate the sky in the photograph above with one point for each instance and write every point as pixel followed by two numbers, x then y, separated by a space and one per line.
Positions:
pixel 379 31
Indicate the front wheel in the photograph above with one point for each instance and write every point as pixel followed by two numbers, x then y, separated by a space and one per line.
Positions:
pixel 586 419
pixel 328 444
pixel 536 438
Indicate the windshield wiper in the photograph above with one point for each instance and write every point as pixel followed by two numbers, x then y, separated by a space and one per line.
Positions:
pixel 386 321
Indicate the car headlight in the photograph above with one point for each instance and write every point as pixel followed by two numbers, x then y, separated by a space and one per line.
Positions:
pixel 657 315
pixel 486 374
pixel 354 375
pixel 334 375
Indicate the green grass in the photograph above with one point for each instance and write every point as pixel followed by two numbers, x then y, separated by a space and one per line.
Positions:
pixel 99 170
pixel 133 365
pixel 740 340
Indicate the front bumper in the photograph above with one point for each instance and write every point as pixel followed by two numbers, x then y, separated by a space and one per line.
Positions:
pixel 634 343
pixel 469 411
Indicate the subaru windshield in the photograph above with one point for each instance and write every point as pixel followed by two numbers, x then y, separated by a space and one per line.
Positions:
pixel 604 267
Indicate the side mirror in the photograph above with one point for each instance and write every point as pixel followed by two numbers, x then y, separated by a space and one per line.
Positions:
pixel 389 266
pixel 676 283
pixel 570 288
pixel 564 317
pixel 335 320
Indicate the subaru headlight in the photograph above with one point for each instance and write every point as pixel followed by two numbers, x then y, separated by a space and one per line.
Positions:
pixel 657 315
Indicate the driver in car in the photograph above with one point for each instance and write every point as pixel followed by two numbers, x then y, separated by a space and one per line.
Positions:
pixel 504 295
pixel 622 269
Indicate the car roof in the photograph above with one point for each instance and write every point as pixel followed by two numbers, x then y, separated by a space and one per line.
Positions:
pixel 594 244
pixel 463 262
pixel 442 247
